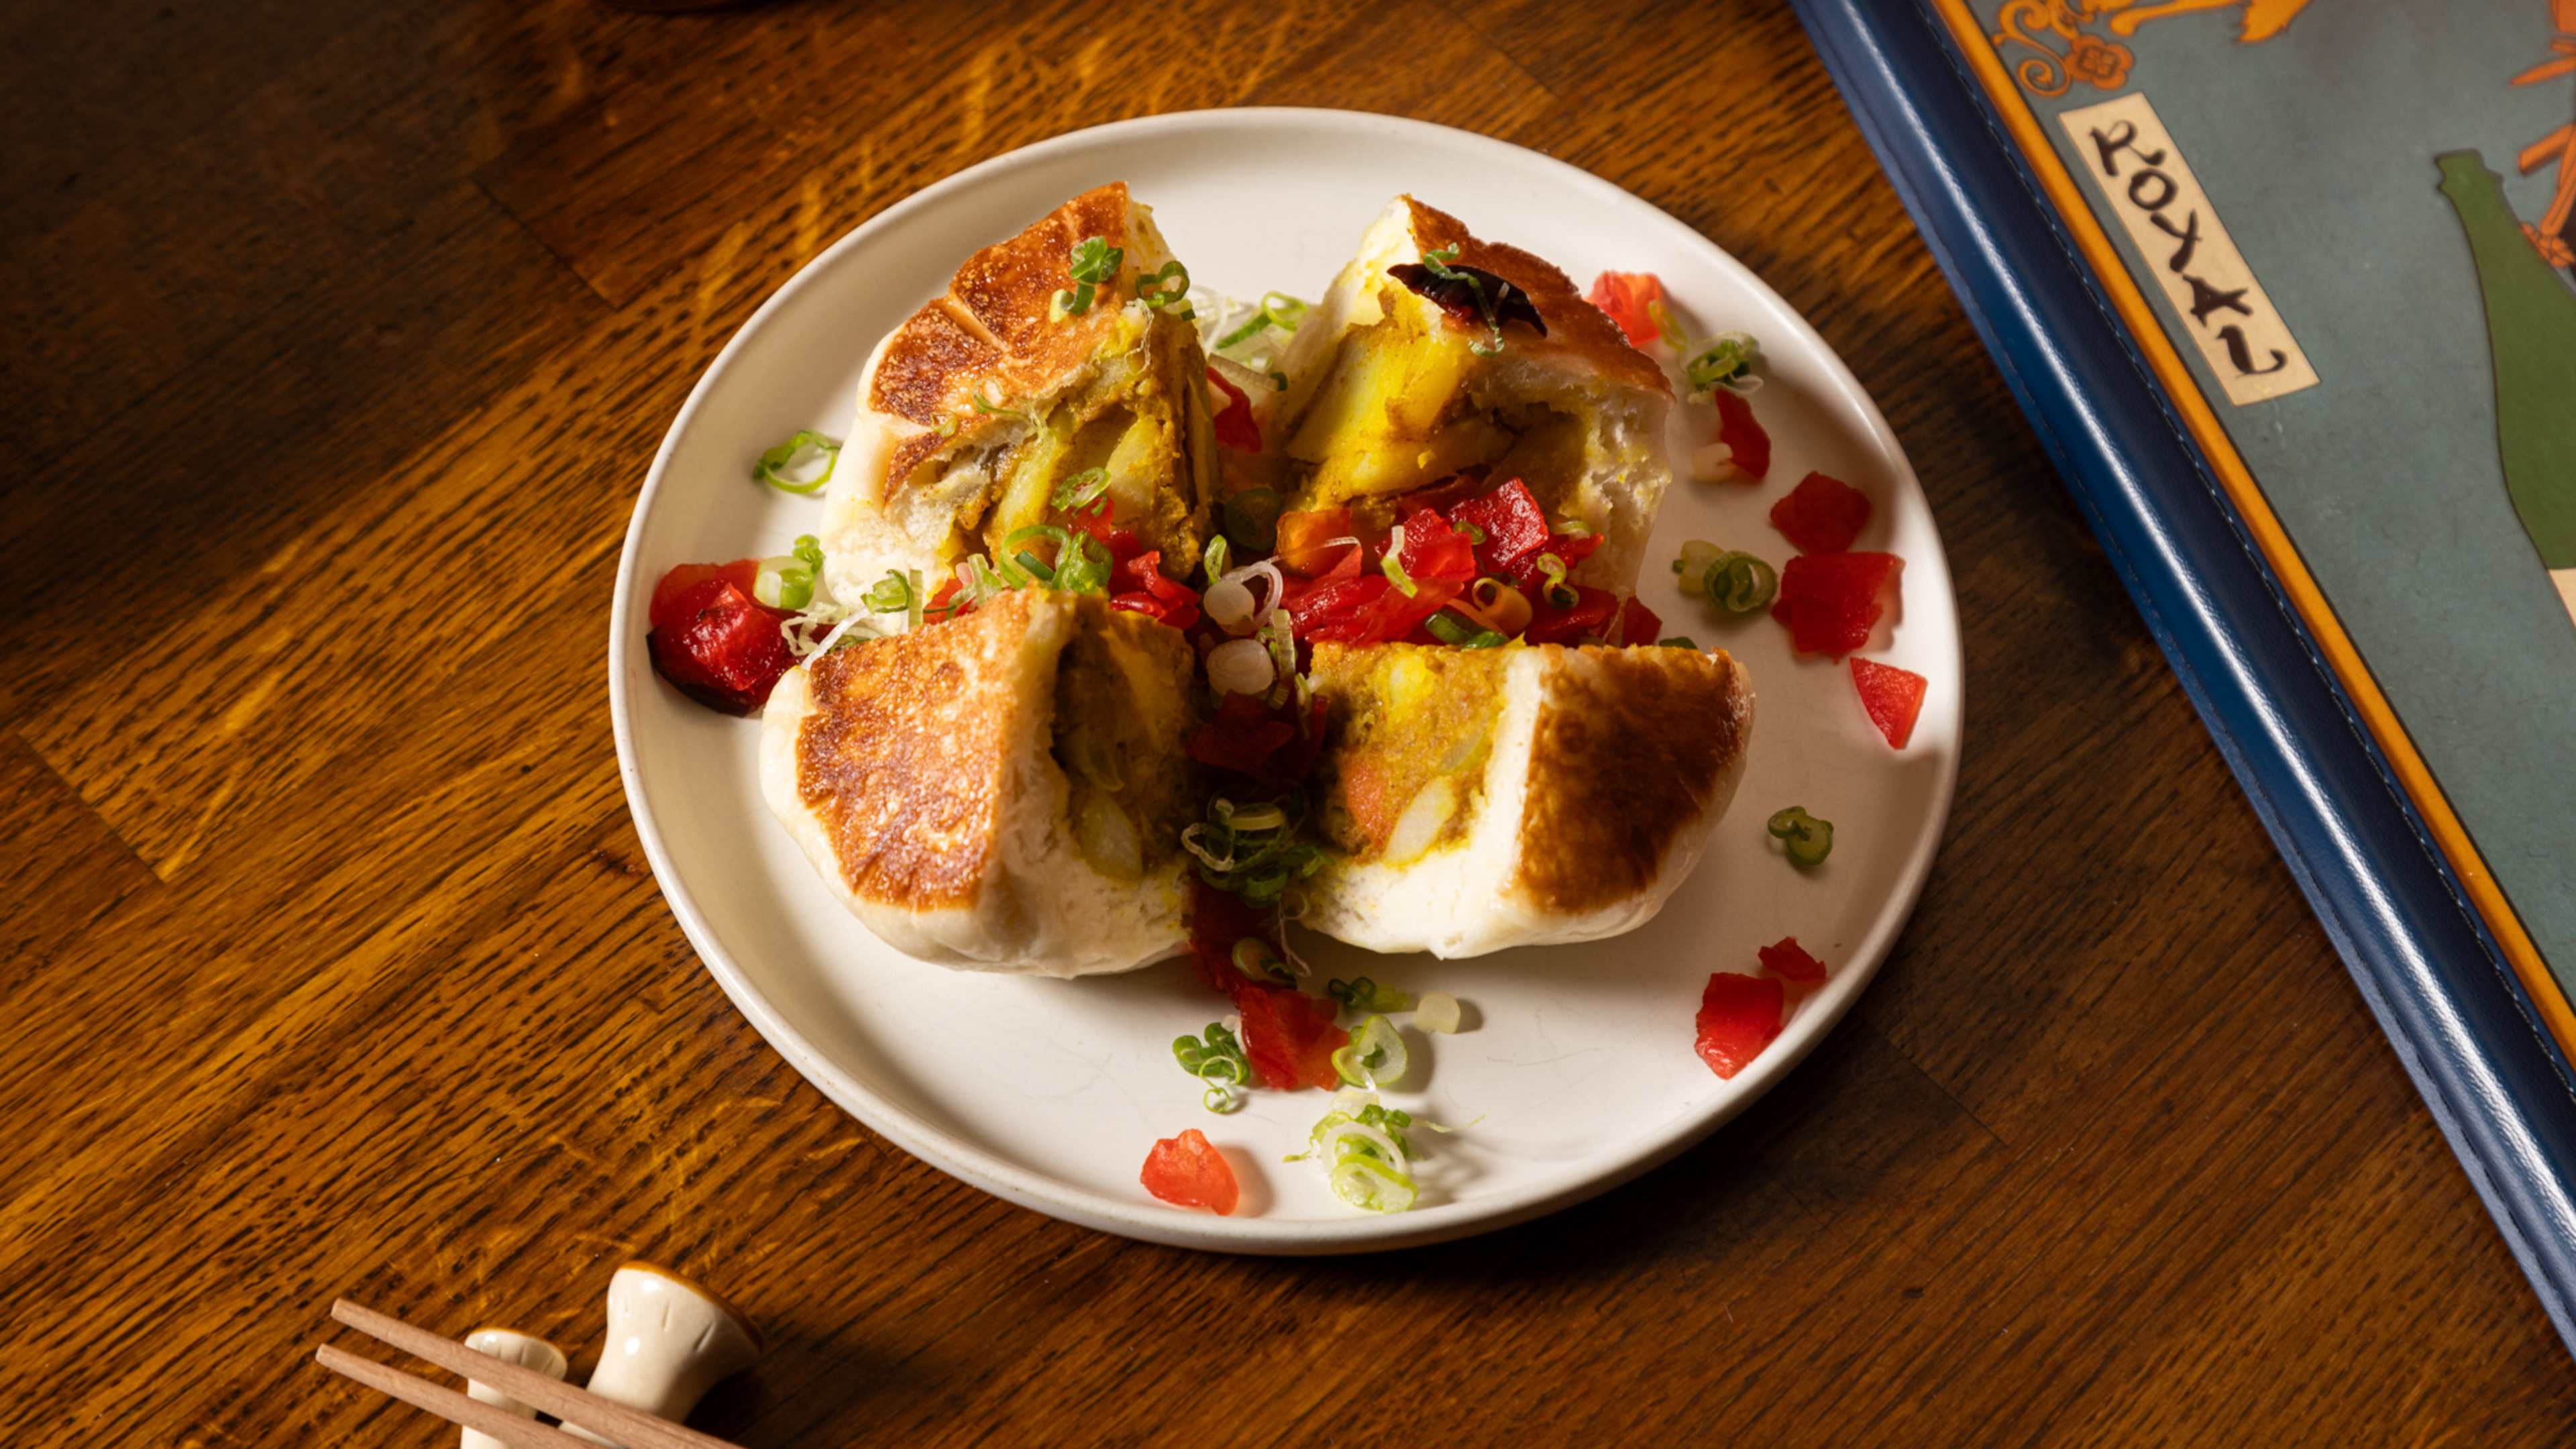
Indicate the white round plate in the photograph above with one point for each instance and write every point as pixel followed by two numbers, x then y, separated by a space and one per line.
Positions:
pixel 1577 1070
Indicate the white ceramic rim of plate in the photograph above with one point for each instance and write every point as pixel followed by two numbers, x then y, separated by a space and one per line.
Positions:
pixel 1153 1222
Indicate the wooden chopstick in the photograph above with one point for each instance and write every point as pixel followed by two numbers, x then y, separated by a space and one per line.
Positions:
pixel 511 1429
pixel 612 1420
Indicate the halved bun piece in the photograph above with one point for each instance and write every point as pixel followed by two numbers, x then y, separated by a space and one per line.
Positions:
pixel 1389 390
pixel 1003 792
pixel 975 411
pixel 1478 799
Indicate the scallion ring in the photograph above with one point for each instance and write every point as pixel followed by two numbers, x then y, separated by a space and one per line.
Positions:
pixel 783 583
pixel 1723 361
pixel 1164 286
pixel 1077 490
pixel 1375 1056
pixel 1449 629
pixel 1807 839
pixel 768 468
pixel 1392 565
pixel 1739 583
pixel 1371 1186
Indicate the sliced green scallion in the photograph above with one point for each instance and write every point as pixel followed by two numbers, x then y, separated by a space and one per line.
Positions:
pixel 1369 1162
pixel 1807 839
pixel 1725 360
pixel 1559 593
pixel 1375 1056
pixel 783 583
pixel 1739 583
pixel 1277 309
pixel 1392 565
pixel 773 465
pixel 1449 629
pixel 1165 287
pixel 1093 262
pixel 1254 851
pixel 1216 1058
pixel 892 594
pixel 1078 489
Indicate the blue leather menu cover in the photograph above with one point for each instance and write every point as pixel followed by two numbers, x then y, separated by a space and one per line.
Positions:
pixel 2310 372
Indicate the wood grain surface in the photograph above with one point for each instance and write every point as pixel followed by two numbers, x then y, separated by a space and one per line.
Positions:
pixel 329 962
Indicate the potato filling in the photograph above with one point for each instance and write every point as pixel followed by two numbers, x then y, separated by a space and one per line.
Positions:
pixel 1401 408
pixel 1141 420
pixel 1120 705
pixel 1415 729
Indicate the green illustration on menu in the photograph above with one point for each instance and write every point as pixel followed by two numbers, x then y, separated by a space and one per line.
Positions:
pixel 2531 327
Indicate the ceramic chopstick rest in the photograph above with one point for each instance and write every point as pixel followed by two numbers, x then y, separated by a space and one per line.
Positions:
pixel 511 1346
pixel 669 1341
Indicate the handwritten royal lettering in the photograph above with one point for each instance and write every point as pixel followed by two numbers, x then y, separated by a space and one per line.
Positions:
pixel 2145 182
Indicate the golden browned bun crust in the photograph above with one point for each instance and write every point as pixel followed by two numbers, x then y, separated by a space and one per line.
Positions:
pixel 1574 325
pixel 1001 792
pixel 1569 801
pixel 1628 752
pixel 905 751
pixel 992 330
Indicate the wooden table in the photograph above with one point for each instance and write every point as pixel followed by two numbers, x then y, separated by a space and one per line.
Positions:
pixel 344 333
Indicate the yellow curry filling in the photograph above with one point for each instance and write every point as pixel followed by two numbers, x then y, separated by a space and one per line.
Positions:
pixel 1399 409
pixel 1140 418
pixel 1119 705
pixel 1407 770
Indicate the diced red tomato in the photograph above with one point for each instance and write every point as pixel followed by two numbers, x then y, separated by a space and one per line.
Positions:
pixel 1821 515
pixel 944 603
pixel 1188 1171
pixel 1738 1016
pixel 1892 696
pixel 1435 552
pixel 1218 919
pixel 1335 599
pixel 1742 435
pixel 1357 607
pixel 666 613
pixel 1372 610
pixel 1138 584
pixel 1306 540
pixel 1638 624
pixel 1288 1036
pixel 1443 496
pixel 1235 426
pixel 1625 295
pixel 713 641
pixel 1591 616
pixel 1515 527
pixel 1789 961
pixel 1830 601
pixel 1273 746
pixel 1242 736
pixel 1098 521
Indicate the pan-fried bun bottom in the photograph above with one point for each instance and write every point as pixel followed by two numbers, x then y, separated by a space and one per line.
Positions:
pixel 1002 792
pixel 1478 800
